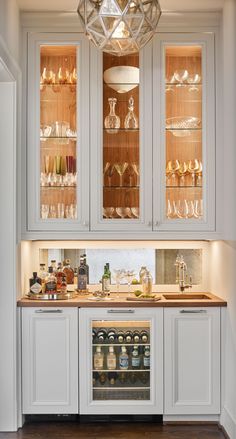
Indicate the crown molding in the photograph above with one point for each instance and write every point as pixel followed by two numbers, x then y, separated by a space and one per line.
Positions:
pixel 70 22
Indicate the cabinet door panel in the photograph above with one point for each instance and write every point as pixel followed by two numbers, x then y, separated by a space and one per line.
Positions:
pixel 192 361
pixel 50 360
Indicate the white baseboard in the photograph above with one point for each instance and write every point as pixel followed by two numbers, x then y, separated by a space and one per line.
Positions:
pixel 228 423
pixel 191 418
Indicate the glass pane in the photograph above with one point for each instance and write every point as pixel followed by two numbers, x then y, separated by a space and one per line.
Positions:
pixel 121 137
pixel 121 360
pixel 58 132
pixel 183 93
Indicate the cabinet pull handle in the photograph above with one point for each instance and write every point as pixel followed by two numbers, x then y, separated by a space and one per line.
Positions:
pixel 196 311
pixel 48 311
pixel 121 311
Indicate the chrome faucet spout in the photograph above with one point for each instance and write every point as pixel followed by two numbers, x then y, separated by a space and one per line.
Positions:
pixel 181 273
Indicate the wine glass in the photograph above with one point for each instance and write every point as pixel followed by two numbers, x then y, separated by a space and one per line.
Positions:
pixel 193 167
pixel 181 76
pixel 131 175
pixel 199 175
pixel 171 168
pixel 108 212
pixel 193 80
pixel 135 167
pixel 135 211
pixel 198 208
pixel 171 210
pixel 123 212
pixel 106 167
pixel 182 171
pixel 110 173
pixel 182 209
pixel 190 213
pixel 121 168
pixel 44 211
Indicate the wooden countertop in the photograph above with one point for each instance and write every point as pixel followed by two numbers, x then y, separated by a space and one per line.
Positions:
pixel 121 301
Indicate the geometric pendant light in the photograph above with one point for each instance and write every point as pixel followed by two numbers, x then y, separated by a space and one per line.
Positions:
pixel 119 27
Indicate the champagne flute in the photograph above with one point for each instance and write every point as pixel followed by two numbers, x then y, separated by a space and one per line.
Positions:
pixel 135 167
pixel 190 213
pixel 110 173
pixel 193 167
pixel 121 168
pixel 182 171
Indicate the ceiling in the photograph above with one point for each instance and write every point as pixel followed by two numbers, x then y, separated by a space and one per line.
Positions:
pixel 166 5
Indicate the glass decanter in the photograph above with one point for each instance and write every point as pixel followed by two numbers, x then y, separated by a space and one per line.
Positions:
pixel 131 120
pixel 112 121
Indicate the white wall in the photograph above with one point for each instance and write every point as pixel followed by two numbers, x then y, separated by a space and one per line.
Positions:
pixel 223 284
pixel 10 26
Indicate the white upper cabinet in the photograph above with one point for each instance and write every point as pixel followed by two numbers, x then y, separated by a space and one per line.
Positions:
pixel 58 132
pixel 121 144
pixel 183 132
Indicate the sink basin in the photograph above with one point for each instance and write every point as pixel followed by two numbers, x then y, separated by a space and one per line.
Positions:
pixel 183 296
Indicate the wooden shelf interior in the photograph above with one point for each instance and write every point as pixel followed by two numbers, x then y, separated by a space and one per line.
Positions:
pixel 57 104
pixel 121 146
pixel 184 101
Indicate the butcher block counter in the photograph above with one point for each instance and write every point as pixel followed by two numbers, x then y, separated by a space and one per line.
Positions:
pixel 123 300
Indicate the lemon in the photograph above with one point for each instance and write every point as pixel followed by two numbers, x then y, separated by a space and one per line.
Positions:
pixel 137 293
pixel 135 282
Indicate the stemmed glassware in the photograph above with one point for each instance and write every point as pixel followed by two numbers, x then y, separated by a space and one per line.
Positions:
pixel 171 210
pixel 181 76
pixel 108 212
pixel 123 212
pixel 121 168
pixel 106 167
pixel 184 209
pixel 193 168
pixel 199 175
pixel 182 171
pixel 129 275
pixel 135 167
pixel 118 275
pixel 110 173
pixel 171 169
pixel 135 211
pixel 193 80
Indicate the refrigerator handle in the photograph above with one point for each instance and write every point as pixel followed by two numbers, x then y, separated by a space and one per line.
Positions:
pixel 48 311
pixel 121 311
pixel 197 311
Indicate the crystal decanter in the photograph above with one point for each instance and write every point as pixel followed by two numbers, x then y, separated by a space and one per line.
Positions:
pixel 131 120
pixel 112 121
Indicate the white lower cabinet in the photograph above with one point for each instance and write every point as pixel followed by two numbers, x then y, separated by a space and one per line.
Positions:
pixel 192 361
pixel 50 360
pixel 128 383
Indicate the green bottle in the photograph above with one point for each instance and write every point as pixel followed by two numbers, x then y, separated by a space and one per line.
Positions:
pixel 105 280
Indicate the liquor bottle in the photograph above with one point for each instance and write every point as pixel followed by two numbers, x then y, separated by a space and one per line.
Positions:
pixel 144 336
pixel 136 336
pixel 63 285
pixel 54 265
pixel 122 377
pixel 35 284
pixel 82 277
pixel 51 282
pixel 75 278
pixel 59 274
pixel 102 378
pixel 144 377
pixel 133 377
pixel 120 337
pixel 43 275
pixel 68 271
pixel 95 378
pixel 142 272
pixel 98 359
pixel 112 377
pixel 111 359
pixel 111 335
pixel 123 359
pixel 101 335
pixel 105 281
pixel 108 271
pixel 128 337
pixel 86 266
pixel 135 358
pixel 146 357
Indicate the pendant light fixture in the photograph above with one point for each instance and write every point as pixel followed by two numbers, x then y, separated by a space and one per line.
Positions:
pixel 119 27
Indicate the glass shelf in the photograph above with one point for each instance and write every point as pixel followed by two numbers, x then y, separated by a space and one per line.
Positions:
pixel 57 84
pixel 121 344
pixel 59 138
pixel 58 187
pixel 183 187
pixel 121 370
pixel 120 187
pixel 116 130
pixel 183 129
pixel 178 85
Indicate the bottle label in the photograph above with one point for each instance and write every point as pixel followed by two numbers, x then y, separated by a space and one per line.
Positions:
pixel 146 361
pixel 111 363
pixel 98 362
pixel 105 284
pixel 51 286
pixel 124 362
pixel 36 288
pixel 135 361
pixel 82 282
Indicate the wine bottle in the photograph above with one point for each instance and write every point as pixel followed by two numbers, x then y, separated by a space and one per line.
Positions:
pixel 51 282
pixel 112 377
pixel 111 359
pixel 146 357
pixel 136 358
pixel 128 337
pixel 144 336
pixel 136 336
pixel 82 277
pixel 68 271
pixel 86 266
pixel 120 336
pixel 105 281
pixel 111 335
pixel 94 335
pixel 98 358
pixel 101 335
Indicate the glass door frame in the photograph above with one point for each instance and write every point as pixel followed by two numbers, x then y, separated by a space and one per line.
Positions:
pixel 35 41
pixel 98 223
pixel 160 222
pixel 90 406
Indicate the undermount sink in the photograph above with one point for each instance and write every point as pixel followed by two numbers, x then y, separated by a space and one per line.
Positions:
pixel 183 296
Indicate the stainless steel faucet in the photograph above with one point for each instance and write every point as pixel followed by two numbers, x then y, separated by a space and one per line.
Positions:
pixel 181 274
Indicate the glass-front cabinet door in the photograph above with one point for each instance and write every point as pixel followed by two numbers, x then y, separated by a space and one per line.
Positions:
pixel 57 133
pixel 120 361
pixel 121 141
pixel 185 87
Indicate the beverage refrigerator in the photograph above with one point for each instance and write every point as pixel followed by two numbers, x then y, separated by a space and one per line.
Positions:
pixel 120 361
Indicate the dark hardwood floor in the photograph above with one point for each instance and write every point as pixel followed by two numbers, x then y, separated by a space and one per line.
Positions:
pixel 53 430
